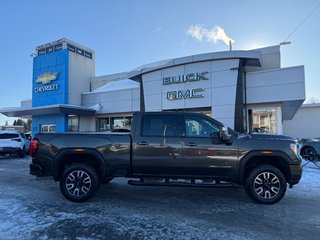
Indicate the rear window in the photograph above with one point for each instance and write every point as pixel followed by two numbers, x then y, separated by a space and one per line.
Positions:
pixel 8 135
pixel 160 126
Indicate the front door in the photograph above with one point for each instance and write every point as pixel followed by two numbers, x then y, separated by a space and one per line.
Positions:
pixel 204 154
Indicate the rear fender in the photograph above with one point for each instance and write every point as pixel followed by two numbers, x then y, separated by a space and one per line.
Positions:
pixel 60 160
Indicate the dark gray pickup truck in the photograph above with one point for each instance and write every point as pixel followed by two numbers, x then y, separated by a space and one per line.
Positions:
pixel 168 149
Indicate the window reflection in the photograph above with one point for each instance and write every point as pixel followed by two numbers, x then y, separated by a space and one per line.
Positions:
pixel 113 123
pixel 264 120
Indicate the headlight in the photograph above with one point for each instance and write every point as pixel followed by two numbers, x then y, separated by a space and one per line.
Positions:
pixel 295 148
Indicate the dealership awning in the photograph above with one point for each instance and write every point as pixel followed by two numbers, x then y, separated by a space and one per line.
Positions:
pixel 252 58
pixel 48 110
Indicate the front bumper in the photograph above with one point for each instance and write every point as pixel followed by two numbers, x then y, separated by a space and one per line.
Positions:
pixel 296 174
pixel 36 170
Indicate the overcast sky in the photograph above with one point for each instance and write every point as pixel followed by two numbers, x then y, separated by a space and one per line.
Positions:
pixel 128 33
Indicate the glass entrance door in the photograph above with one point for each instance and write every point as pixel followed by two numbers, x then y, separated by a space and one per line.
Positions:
pixel 266 120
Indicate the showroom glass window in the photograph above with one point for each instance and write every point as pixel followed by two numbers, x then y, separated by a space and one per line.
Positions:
pixel 113 123
pixel 48 128
pixel 103 124
pixel 73 123
pixel 265 120
pixel 121 123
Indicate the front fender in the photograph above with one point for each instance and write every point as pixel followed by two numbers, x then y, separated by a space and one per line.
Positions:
pixel 283 159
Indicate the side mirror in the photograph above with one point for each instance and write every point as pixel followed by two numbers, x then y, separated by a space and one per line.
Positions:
pixel 225 136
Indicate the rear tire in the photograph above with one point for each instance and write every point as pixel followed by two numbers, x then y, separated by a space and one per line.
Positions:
pixel 22 152
pixel 79 182
pixel 266 184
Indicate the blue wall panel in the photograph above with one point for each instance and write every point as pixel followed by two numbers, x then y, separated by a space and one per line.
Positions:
pixel 56 62
pixel 60 120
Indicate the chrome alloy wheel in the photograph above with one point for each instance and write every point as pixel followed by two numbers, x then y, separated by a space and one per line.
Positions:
pixel 78 183
pixel 308 154
pixel 267 185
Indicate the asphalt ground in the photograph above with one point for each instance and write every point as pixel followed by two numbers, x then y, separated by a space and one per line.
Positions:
pixel 33 209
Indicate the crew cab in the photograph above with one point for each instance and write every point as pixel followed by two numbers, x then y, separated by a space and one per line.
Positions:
pixel 169 149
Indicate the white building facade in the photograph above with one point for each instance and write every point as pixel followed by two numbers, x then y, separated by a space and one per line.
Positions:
pixel 245 90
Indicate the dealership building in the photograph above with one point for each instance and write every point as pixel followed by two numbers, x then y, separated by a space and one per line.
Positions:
pixel 245 90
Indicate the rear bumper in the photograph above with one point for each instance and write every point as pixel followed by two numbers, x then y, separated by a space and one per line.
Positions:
pixel 9 150
pixel 36 170
pixel 296 173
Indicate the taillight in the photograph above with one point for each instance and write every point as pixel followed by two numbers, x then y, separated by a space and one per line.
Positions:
pixel 33 147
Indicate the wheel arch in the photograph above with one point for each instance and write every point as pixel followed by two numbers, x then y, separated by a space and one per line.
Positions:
pixel 253 159
pixel 88 156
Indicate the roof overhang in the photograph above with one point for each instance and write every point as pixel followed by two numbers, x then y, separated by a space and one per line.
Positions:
pixel 290 108
pixel 48 110
pixel 251 57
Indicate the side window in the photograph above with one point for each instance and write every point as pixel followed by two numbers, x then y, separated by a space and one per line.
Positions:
pixel 22 135
pixel 160 126
pixel 197 126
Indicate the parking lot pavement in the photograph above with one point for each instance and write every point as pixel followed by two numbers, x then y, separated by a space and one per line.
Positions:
pixel 31 209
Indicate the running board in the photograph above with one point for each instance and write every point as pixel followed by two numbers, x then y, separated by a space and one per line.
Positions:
pixel 172 183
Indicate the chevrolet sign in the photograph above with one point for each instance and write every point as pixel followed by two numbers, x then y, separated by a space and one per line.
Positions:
pixel 46 78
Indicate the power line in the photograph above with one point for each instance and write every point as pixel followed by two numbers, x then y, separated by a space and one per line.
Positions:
pixel 294 30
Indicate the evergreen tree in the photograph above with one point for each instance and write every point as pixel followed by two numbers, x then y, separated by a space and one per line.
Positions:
pixel 28 125
pixel 19 122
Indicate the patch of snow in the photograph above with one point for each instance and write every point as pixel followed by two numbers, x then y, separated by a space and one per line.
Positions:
pixel 152 65
pixel 118 85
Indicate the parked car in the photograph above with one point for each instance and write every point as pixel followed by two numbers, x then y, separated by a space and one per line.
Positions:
pixel 310 150
pixel 13 142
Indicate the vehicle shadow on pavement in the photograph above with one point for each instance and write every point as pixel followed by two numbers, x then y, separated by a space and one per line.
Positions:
pixel 119 191
pixel 12 156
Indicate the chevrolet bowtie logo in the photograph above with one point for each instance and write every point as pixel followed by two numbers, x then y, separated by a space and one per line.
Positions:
pixel 46 78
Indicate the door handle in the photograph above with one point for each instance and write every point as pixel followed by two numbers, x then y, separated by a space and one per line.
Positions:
pixel 142 143
pixel 191 144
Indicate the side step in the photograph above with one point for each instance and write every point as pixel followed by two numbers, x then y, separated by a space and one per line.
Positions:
pixel 175 183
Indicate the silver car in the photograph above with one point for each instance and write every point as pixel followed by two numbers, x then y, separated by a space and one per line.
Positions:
pixel 310 150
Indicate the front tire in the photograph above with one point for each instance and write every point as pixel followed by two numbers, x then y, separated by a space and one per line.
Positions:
pixel 79 182
pixel 309 154
pixel 266 184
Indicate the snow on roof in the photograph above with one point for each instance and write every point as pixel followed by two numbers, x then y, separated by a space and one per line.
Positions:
pixel 118 85
pixel 152 65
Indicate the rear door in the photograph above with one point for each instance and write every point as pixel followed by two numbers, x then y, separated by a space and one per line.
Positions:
pixel 157 149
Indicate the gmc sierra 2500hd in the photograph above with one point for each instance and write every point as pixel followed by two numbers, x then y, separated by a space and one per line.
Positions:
pixel 169 149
